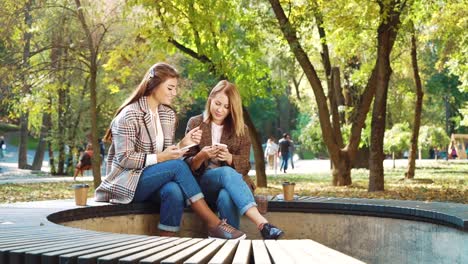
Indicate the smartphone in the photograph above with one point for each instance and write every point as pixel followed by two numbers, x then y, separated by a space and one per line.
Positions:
pixel 188 146
pixel 220 145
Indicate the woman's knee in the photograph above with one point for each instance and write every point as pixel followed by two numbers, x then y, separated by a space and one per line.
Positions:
pixel 228 174
pixel 171 191
pixel 179 165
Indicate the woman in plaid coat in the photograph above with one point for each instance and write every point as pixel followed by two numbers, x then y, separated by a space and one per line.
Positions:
pixel 221 160
pixel 144 165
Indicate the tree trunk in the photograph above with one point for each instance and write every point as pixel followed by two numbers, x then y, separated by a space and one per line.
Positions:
pixel 341 170
pixel 258 150
pixel 417 112
pixel 387 33
pixel 24 116
pixel 41 147
pixel 376 174
pixel 61 131
pixel 93 70
pixel 53 171
pixel 96 160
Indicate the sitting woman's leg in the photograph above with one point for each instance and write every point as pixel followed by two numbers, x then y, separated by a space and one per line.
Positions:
pixel 172 202
pixel 227 208
pixel 231 181
pixel 213 180
pixel 155 176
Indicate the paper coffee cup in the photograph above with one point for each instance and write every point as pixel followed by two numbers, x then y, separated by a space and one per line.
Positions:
pixel 81 193
pixel 262 203
pixel 288 191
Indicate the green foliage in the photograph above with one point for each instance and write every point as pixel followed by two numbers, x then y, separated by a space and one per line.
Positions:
pixel 5 127
pixel 397 138
pixel 310 136
pixel 432 136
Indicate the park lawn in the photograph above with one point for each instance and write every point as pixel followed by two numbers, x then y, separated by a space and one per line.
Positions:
pixel 442 181
pixel 450 184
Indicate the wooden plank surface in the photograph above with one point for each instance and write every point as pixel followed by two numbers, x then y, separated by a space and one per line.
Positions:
pixel 226 253
pixel 170 251
pixel 136 257
pixel 182 255
pixel 204 255
pixel 260 252
pixel 243 252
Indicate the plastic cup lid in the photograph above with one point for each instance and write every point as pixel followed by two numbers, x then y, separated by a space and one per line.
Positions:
pixel 79 186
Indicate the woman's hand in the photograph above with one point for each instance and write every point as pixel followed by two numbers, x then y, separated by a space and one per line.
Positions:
pixel 209 152
pixel 171 153
pixel 192 137
pixel 224 155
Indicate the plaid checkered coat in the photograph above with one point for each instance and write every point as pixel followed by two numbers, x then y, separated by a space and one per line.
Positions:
pixel 239 147
pixel 133 136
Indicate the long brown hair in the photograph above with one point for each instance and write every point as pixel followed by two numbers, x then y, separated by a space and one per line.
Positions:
pixel 235 118
pixel 157 74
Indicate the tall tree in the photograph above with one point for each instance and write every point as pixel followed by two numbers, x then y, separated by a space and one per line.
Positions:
pixel 94 35
pixel 388 29
pixel 417 111
pixel 342 157
pixel 24 132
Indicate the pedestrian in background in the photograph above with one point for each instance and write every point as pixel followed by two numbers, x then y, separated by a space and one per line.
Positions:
pixel 271 151
pixel 284 151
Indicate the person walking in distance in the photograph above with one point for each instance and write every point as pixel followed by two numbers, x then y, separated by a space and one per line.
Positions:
pixel 291 151
pixel 271 151
pixel 284 145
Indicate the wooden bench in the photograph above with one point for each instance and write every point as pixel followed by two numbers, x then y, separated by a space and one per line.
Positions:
pixel 29 234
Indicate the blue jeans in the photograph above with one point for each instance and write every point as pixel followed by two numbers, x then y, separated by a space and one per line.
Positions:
pixel 171 184
pixel 225 190
pixel 284 163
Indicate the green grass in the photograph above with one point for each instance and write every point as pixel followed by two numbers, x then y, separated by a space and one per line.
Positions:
pixel 439 181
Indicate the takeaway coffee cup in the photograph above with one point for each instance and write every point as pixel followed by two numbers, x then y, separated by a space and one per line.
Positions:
pixel 262 203
pixel 288 191
pixel 81 193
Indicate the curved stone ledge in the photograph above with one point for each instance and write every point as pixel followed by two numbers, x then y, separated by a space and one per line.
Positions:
pixel 446 214
pixel 375 231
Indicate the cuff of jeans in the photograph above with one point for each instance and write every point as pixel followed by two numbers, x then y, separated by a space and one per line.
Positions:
pixel 247 207
pixel 196 197
pixel 151 159
pixel 168 228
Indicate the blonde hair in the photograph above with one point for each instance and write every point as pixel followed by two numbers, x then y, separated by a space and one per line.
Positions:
pixel 235 118
pixel 157 74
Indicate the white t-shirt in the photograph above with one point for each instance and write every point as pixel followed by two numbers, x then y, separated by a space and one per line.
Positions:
pixel 158 131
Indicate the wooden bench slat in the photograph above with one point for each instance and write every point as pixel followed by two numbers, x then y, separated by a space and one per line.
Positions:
pixel 136 257
pixel 18 255
pixel 226 253
pixel 243 252
pixel 117 255
pixel 72 257
pixel 207 253
pixel 52 257
pixel 293 247
pixel 91 258
pixel 277 253
pixel 34 240
pixel 260 252
pixel 316 248
pixel 182 255
pixel 35 255
pixel 170 251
